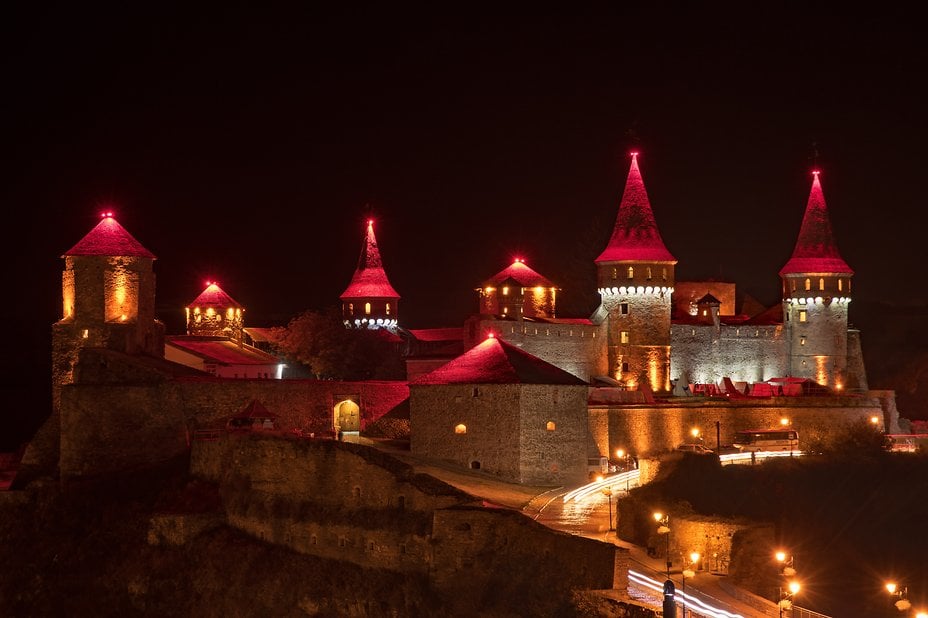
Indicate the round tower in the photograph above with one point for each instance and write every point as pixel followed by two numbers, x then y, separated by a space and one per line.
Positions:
pixel 108 298
pixel 518 291
pixel 635 275
pixel 816 294
pixel 370 301
pixel 215 314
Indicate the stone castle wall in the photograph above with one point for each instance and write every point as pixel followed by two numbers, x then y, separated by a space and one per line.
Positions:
pixel 705 354
pixel 650 429
pixel 554 453
pixel 342 501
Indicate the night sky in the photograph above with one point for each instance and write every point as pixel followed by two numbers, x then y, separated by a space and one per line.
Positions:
pixel 248 144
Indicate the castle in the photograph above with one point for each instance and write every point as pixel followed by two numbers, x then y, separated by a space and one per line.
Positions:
pixel 531 395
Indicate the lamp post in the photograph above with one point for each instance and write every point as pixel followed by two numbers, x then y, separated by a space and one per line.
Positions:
pixel 607 491
pixel 621 453
pixel 663 527
pixel 786 596
pixel 900 594
pixel 694 562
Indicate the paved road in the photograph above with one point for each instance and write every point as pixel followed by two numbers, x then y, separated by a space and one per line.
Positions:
pixel 589 517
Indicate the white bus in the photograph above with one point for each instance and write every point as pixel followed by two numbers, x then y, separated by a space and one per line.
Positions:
pixel 767 440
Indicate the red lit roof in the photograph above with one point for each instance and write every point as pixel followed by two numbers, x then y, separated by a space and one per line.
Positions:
pixel 816 251
pixel 214 296
pixel 369 279
pixel 221 350
pixel 255 410
pixel 111 239
pixel 635 236
pixel 438 334
pixel 497 362
pixel 521 274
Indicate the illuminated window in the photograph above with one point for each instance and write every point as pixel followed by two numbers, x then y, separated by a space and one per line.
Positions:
pixel 808 284
pixel 388 308
pixel 631 272
pixel 505 309
pixel 367 308
pixel 550 426
pixel 648 273
pixel 664 274
pixel 460 428
pixel 821 283
pixel 802 315
pixel 623 308
pixel 350 308
pixel 802 341
pixel 85 334
pixel 623 336
pixel 840 285
pixel 505 291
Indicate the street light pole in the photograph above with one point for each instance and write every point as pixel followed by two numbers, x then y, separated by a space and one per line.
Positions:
pixel 621 453
pixel 607 491
pixel 664 528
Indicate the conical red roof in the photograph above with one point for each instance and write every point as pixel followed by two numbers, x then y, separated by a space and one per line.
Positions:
pixel 816 251
pixel 635 237
pixel 369 280
pixel 110 239
pixel 214 296
pixel 497 362
pixel 521 274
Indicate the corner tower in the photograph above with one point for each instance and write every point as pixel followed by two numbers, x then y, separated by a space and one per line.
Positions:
pixel 635 275
pixel 518 291
pixel 215 314
pixel 108 297
pixel 816 293
pixel 370 301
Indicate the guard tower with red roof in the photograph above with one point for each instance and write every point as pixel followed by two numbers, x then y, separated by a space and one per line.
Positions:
pixel 215 314
pixel 518 291
pixel 370 301
pixel 108 297
pixel 816 292
pixel 635 276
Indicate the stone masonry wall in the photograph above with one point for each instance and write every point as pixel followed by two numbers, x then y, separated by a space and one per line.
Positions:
pixel 556 455
pixel 704 354
pixel 650 429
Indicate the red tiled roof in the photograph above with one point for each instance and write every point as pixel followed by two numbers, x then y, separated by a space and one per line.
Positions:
pixel 369 279
pixel 213 296
pixel 497 362
pixel 635 236
pixel 221 350
pixel 521 274
pixel 111 239
pixel 438 334
pixel 816 251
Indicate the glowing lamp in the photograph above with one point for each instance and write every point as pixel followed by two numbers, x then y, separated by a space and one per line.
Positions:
pixel 875 420
pixel 370 222
pixel 634 153
pixel 891 587
pixel 794 587
pixel 816 172
pixel 620 453
pixel 695 432
pixel 491 335
pixel 780 556
pixel 599 478
pixel 694 556
pixel 784 421
pixel 658 516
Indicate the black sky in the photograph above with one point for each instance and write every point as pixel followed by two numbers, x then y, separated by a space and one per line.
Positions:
pixel 242 143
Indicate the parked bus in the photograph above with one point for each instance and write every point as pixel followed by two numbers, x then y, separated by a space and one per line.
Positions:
pixel 767 440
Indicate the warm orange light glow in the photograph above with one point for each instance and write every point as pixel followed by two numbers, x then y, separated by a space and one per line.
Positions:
pixel 461 428
pixel 891 587
pixel 794 587
pixel 780 556
pixel 599 478
pixel 875 420
pixel 658 516
pixel 491 335
pixel 784 421
pixel 694 432
pixel 694 556
pixel 620 453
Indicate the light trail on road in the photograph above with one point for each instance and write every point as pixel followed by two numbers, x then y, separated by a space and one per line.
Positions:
pixel 616 481
pixel 693 604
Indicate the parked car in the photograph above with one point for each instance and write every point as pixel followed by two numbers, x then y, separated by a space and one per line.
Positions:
pixel 699 449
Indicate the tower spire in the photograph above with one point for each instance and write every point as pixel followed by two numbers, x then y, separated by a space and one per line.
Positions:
pixel 635 236
pixel 816 250
pixel 370 299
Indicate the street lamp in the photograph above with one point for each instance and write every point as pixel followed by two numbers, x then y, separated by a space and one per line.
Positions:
pixel 900 593
pixel 695 433
pixel 786 564
pixel 607 491
pixel 663 527
pixel 786 596
pixel 622 454
pixel 691 572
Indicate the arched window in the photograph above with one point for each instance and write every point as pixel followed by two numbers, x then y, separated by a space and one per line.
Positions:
pixel 460 428
pixel 388 309
pixel 350 308
pixel 648 273
pixel 550 426
pixel 808 284
pixel 631 272
pixel 821 283
pixel 367 308
pixel 840 285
